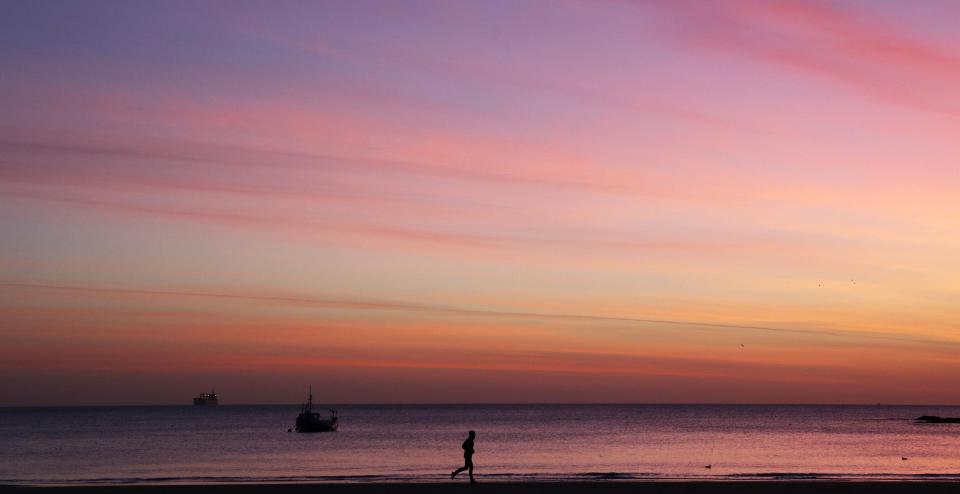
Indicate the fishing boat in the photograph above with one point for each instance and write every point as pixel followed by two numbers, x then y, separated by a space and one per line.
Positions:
pixel 210 398
pixel 310 421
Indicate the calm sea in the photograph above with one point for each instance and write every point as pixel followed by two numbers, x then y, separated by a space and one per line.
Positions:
pixel 526 442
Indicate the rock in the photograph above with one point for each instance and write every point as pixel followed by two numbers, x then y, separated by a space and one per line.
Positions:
pixel 933 419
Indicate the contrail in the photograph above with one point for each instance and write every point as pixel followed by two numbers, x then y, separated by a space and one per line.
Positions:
pixel 335 303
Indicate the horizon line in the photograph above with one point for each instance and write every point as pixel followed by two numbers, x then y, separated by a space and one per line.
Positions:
pixel 440 404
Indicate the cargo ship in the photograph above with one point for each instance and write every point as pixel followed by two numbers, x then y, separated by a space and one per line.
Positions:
pixel 210 398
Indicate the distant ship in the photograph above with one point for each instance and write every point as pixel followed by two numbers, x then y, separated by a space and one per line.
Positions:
pixel 310 421
pixel 210 398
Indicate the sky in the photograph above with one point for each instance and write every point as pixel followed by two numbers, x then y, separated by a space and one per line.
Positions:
pixel 469 202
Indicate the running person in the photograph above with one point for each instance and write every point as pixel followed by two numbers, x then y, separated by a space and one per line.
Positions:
pixel 467 457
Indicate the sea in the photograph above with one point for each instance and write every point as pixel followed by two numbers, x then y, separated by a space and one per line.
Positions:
pixel 421 443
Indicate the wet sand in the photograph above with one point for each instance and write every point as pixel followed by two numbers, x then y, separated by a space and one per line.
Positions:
pixel 758 487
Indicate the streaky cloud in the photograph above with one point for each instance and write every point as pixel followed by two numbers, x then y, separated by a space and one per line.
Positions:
pixel 439 309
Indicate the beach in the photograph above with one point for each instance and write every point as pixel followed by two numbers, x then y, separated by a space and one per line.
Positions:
pixel 778 487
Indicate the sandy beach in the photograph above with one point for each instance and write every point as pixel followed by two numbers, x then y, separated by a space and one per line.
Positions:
pixel 779 487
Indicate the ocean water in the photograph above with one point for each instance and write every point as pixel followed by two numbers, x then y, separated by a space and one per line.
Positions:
pixel 514 442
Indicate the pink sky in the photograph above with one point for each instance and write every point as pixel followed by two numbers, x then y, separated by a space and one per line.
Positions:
pixel 480 202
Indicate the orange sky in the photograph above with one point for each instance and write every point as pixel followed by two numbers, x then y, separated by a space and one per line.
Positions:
pixel 730 202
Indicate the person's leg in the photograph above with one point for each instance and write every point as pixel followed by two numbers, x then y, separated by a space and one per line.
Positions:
pixel 457 471
pixel 469 465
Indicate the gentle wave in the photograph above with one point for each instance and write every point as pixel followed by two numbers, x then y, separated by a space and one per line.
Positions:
pixel 496 477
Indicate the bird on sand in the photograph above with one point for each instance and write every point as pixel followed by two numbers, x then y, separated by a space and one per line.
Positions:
pixel 903 458
pixel 708 466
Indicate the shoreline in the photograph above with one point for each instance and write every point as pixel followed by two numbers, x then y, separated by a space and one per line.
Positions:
pixel 590 478
pixel 571 487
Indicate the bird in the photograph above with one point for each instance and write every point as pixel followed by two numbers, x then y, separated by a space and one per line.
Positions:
pixel 708 466
pixel 904 458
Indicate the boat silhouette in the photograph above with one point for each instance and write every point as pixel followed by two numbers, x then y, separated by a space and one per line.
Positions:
pixel 310 421
pixel 210 398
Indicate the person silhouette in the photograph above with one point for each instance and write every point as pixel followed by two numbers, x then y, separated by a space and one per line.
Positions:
pixel 467 457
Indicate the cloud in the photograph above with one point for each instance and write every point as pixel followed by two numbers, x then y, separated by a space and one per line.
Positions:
pixel 830 41
pixel 302 193
pixel 351 303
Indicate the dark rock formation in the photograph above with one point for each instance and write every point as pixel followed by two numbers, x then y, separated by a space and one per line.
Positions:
pixel 933 419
